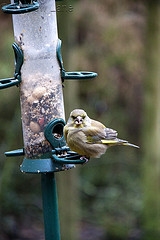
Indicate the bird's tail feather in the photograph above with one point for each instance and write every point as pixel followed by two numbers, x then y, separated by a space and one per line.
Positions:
pixel 117 141
pixel 130 144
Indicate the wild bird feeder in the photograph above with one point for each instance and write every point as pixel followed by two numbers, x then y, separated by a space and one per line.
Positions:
pixel 39 74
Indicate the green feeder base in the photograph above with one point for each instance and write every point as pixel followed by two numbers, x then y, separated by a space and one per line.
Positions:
pixel 43 166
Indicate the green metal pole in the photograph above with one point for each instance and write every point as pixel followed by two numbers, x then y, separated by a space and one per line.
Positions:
pixel 50 206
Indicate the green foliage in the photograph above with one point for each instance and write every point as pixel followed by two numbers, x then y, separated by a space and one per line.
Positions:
pixel 111 192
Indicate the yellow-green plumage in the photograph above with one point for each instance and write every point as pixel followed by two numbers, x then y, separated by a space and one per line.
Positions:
pixel 88 137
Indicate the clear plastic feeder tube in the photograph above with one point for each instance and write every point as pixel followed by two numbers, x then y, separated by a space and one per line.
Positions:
pixel 41 94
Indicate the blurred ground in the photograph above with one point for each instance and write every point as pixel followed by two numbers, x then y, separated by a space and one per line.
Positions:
pixel 23 231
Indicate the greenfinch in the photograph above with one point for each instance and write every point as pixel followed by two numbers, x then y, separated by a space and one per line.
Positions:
pixel 90 138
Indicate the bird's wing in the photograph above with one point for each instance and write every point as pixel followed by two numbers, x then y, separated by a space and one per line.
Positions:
pixel 97 132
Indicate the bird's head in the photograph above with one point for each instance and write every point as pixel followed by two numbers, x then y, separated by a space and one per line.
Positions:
pixel 78 118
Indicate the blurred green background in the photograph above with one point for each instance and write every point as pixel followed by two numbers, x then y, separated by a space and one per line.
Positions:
pixel 116 197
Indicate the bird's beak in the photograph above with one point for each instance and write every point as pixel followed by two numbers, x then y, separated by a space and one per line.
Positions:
pixel 78 120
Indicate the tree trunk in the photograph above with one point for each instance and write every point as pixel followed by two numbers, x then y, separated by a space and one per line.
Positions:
pixel 151 126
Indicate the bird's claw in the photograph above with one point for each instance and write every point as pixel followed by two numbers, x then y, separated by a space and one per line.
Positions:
pixel 84 158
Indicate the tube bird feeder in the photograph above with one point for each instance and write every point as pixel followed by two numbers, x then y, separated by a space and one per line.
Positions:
pixel 39 73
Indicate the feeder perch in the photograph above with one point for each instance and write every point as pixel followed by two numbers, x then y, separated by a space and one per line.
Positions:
pixel 80 75
pixel 9 82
